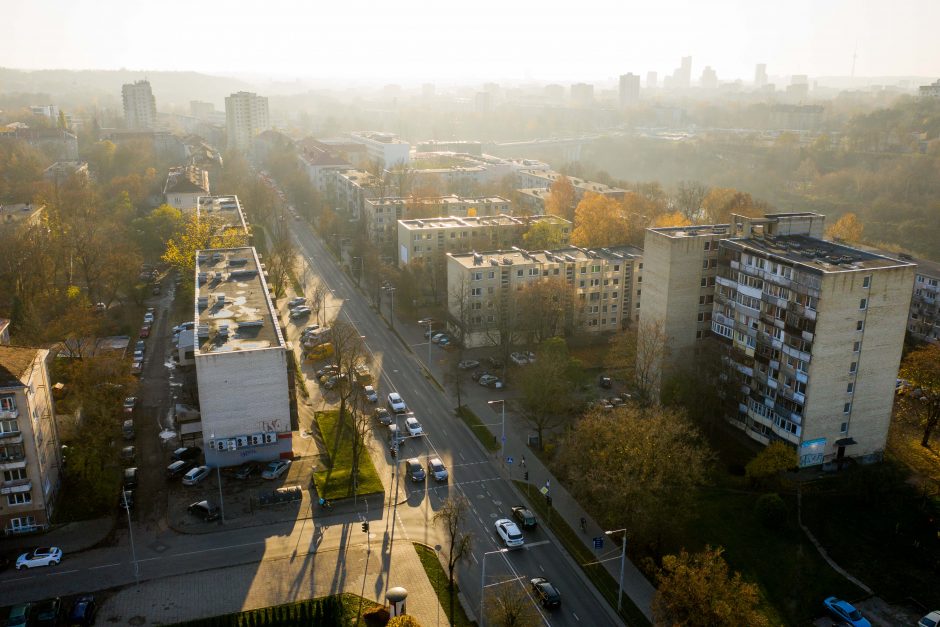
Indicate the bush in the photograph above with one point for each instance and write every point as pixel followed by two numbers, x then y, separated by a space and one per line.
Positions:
pixel 766 467
pixel 375 617
pixel 771 510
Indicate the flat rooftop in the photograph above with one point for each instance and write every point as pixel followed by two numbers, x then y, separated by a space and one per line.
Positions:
pixel 815 255
pixel 233 309
pixel 704 230
pixel 456 222
pixel 226 209
pixel 453 199
pixel 582 184
pixel 566 254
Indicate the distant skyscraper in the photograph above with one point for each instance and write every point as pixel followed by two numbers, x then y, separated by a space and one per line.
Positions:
pixel 685 72
pixel 709 78
pixel 140 107
pixel 652 80
pixel 760 75
pixel 246 115
pixel 629 89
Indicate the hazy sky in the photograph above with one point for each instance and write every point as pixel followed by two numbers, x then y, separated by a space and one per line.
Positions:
pixel 416 40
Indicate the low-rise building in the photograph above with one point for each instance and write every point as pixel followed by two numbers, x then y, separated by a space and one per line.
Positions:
pixel 351 188
pixel 29 443
pixel 318 161
pixel 382 214
pixel 241 361
pixel 385 148
pixel 184 185
pixel 61 171
pixel 544 179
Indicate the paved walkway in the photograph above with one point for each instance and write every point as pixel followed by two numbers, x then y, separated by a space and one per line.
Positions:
pixel 71 537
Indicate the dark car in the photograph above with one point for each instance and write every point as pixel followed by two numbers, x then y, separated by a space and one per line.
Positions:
pixel 47 613
pixel 205 510
pixel 546 593
pixel 187 453
pixel 126 499
pixel 83 611
pixel 19 615
pixel 128 453
pixel 130 478
pixel 524 517
pixel 246 470
pixel 179 468
pixel 605 382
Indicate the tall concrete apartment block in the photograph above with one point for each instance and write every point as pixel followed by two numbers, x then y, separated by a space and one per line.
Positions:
pixel 140 107
pixel 29 443
pixel 241 361
pixel 246 115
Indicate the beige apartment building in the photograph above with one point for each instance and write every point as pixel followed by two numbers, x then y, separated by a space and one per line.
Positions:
pixel 603 288
pixel 381 215
pixel 924 320
pixel 422 239
pixel 543 179
pixel 29 443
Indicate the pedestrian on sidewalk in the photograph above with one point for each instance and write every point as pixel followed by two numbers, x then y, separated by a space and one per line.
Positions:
pixel 583 524
pixel 523 461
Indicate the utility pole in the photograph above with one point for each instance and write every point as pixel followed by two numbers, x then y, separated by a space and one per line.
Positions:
pixel 623 558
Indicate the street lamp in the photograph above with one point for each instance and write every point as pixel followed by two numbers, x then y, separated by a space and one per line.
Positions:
pixel 502 445
pixel 623 557
pixel 483 580
pixel 359 275
pixel 130 530
pixel 391 314
pixel 430 322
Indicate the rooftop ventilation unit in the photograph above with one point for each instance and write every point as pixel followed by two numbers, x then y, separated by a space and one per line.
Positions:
pixel 201 278
pixel 243 274
pixel 222 330
pixel 477 259
pixel 237 262
pixel 203 302
pixel 250 324
pixel 494 261
pixel 507 261
pixel 570 258
pixel 202 330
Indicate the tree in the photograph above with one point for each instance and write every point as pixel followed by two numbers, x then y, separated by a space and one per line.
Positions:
pixel 721 202
pixel 280 260
pixel 543 235
pixel 689 197
pixel 599 221
pixel 635 467
pixel 776 458
pixel 671 219
pixel 317 299
pixel 548 386
pixel 638 353
pixel 920 400
pixel 453 513
pixel 157 228
pixel 698 590
pixel 847 229
pixel 510 607
pixel 453 375
pixel 561 197
pixel 200 234
pixel 349 352
pixel 405 620
pixel 360 420
pixel 544 306
pixel 703 383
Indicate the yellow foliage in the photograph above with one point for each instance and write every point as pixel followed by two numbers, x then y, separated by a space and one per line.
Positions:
pixel 560 201
pixel 599 221
pixel 847 228
pixel 671 219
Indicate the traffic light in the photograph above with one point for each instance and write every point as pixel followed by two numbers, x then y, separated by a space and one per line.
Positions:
pixel 365 527
pixel 527 475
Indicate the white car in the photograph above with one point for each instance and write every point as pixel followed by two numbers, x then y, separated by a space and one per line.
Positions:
pixel 196 475
pixel 930 620
pixel 41 556
pixel 520 359
pixel 413 426
pixel 370 394
pixel 129 403
pixel 396 403
pixel 148 318
pixel 275 469
pixel 467 364
pixel 509 533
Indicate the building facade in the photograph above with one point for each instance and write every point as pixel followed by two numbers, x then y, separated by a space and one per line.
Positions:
pixel 246 115
pixel 241 361
pixel 184 186
pixel 924 319
pixel 385 148
pixel 543 179
pixel 30 459
pixel 629 89
pixel 381 215
pixel 140 107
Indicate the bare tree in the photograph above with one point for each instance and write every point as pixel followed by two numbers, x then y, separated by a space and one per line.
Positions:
pixel 453 374
pixel 502 325
pixel 360 421
pixel 280 260
pixel 689 197
pixel 509 606
pixel 349 352
pixel 544 306
pixel 453 513
pixel 638 354
pixel 317 300
pixel 460 309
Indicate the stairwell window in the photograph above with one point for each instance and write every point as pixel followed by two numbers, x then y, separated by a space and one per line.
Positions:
pixel 853 368
pixel 863 304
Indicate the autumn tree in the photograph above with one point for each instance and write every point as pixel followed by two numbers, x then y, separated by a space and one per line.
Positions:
pixel 670 219
pixel 543 307
pixel 599 221
pixel 280 260
pixel 721 202
pixel 847 229
pixel 200 234
pixel 561 198
pixel 509 606
pixel 635 467
pixel 453 514
pixel 638 355
pixel 157 228
pixel 920 401
pixel 698 590
pixel 767 466
pixel 543 235
pixel 349 352
pixel 689 197
pixel 548 385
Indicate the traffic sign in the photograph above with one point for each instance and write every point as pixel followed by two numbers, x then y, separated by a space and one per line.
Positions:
pixel 544 490
pixel 504 438
pixel 509 460
pixel 598 542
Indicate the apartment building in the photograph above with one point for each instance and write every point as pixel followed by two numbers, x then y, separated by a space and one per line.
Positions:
pixel 427 238
pixel 601 285
pixel 815 331
pixel 241 361
pixel 29 443
pixel 382 214
pixel 349 189
pixel 924 318
pixel 385 148
pixel 226 210
pixel 246 115
pixel 543 179
pixel 318 161
pixel 140 107
pixel 184 185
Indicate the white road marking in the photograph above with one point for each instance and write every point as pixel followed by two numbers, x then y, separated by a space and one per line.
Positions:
pixel 576 617
pixel 64 572
pixel 532 545
pixel 104 566
pixel 21 578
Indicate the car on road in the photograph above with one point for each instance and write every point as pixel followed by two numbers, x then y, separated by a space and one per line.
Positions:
pixel 126 500
pixel 140 346
pixel 508 533
pixel 490 381
pixel 276 469
pixel 413 426
pixel 148 318
pixel 397 403
pixel 467 364
pixel 138 355
pixel 19 615
pixel 144 331
pixel 40 556
pixel 179 468
pixel 605 382
pixel 197 475
pixel 383 416
pixel 371 395
pixel 130 478
pixel 129 404
pixel 845 611
pixel 437 337
pixel 437 469
pixel 414 469
pixel 246 470
pixel 186 452
pixel 524 517
pixel 83 611
pixel 300 312
pixel 930 620
pixel 546 593
pixel 205 510
pixel 298 301
pixel 520 359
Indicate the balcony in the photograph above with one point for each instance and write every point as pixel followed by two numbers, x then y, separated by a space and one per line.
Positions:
pixel 9 414
pixel 12 462
pixel 11 437
pixel 17 485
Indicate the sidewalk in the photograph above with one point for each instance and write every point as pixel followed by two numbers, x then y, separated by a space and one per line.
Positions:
pixel 71 537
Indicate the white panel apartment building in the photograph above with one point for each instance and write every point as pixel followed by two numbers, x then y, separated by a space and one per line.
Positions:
pixel 381 215
pixel 241 361
pixel 246 115
pixel 603 283
pixel 386 148
pixel 29 442
pixel 140 107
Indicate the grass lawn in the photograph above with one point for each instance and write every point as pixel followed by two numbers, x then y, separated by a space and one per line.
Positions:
pixel 335 482
pixel 904 444
pixel 479 429
pixel 438 578
pixel 605 584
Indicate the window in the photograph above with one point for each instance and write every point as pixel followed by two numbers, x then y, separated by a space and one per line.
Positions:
pixel 859 325
pixel 582 283
pixel 519 272
pixel 19 498
pixel 477 276
pixel 856 347
pixel 476 291
pixel 847 408
pixel 708 245
pixel 616 267
pixel 9 426
pixel 639 279
pixel 14 475
pixel 704 282
pixel 853 367
pixel 704 264
pixel 866 282
pixel 863 304
pixel 7 403
pixel 844 428
pixel 595 282
pixel 595 269
pixel 850 387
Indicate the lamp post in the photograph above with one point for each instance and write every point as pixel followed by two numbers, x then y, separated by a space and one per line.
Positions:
pixel 359 275
pixel 391 313
pixel 130 530
pixel 430 322
pixel 623 558
pixel 483 580
pixel 502 444
pixel 218 474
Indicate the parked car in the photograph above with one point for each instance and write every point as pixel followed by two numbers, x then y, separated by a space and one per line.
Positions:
pixel 845 611
pixel 127 429
pixel 930 620
pixel 40 556
pixel 476 374
pixel 128 453
pixel 524 517
pixel 413 426
pixel 197 475
pixel 148 318
pixel 300 312
pixel 246 470
pixel 437 469
pixel 205 510
pixel 144 331
pixel 298 301
pixel 467 364
pixel 330 382
pixel 328 371
pixel 130 478
pixel 444 342
pixel 371 395
pixel 137 368
pixel 491 381
pixel 129 404
pixel 397 403
pixel 126 499
pixel 605 382
pixel 83 611
pixel 436 338
pixel 508 533
pixel 520 359
pixel 494 363
pixel 19 615
pixel 383 416
pixel 276 469
pixel 179 468
pixel 138 355
pixel 414 469
pixel 546 593
pixel 186 452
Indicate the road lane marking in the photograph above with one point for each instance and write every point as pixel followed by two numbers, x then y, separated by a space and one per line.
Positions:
pixel 64 572
pixel 576 617
pixel 532 545
pixel 105 566
pixel 20 578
